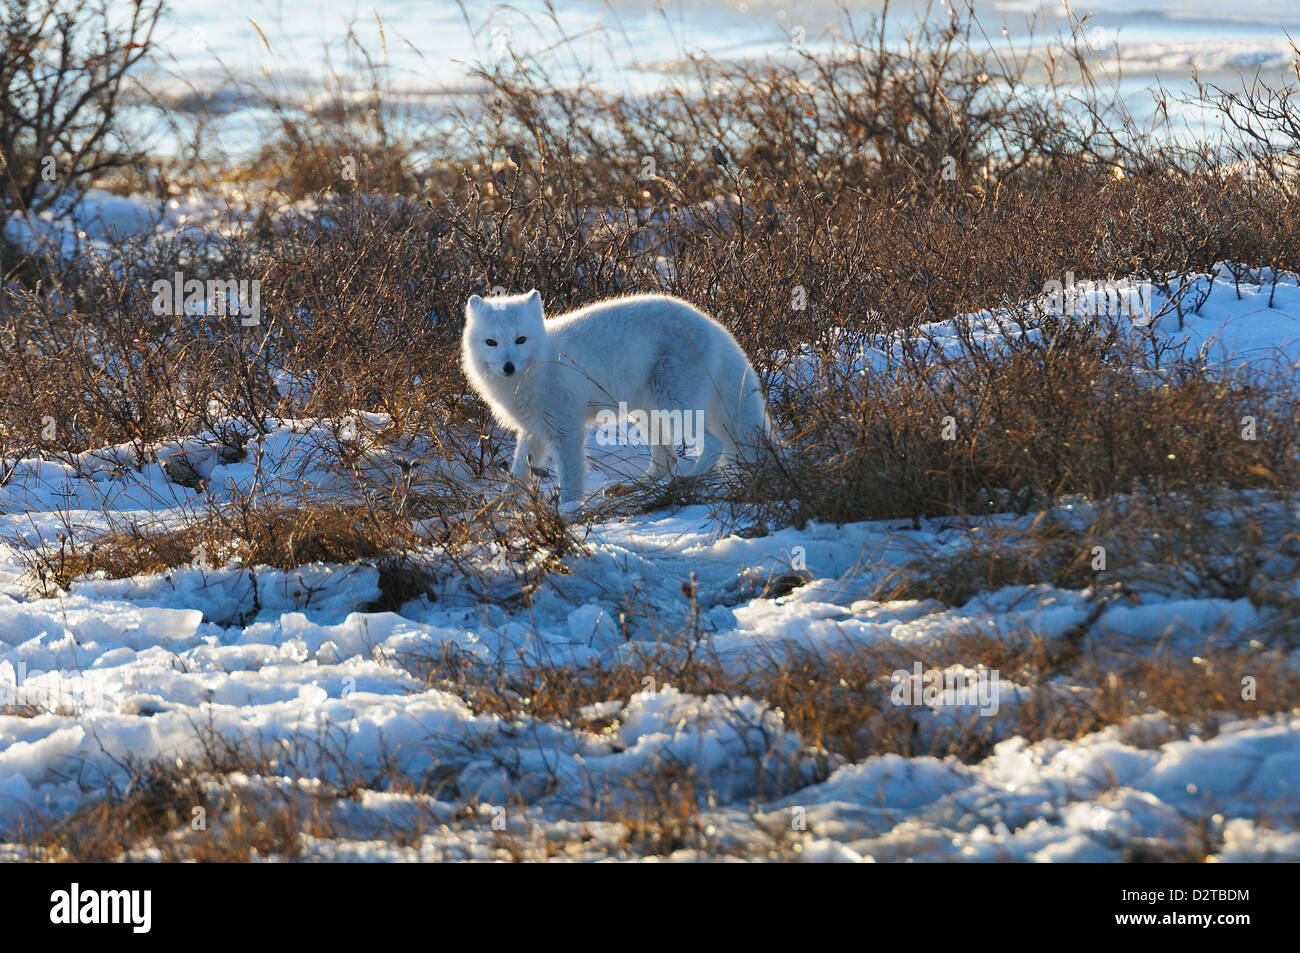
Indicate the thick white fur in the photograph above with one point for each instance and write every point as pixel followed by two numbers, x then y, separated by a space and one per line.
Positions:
pixel 650 352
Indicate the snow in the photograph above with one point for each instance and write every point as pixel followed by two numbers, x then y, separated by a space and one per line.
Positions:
pixel 134 664
pixel 303 664
pixel 1058 801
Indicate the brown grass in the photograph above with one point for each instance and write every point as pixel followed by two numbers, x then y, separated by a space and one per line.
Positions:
pixel 807 207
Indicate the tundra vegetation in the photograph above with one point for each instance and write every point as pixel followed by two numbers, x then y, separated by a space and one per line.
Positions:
pixel 831 209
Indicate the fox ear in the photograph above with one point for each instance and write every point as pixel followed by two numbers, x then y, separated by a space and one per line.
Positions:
pixel 534 295
pixel 473 303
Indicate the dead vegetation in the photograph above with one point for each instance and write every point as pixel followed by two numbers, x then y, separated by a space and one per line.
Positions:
pixel 814 208
pixel 823 210
pixel 232 802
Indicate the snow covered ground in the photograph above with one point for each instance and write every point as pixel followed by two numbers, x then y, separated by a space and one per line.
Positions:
pixel 131 668
pixel 301 664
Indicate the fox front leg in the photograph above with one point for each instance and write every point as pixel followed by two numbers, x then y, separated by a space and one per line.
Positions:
pixel 571 464
pixel 529 452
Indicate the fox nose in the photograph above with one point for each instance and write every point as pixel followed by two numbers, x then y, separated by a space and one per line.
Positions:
pixel 509 368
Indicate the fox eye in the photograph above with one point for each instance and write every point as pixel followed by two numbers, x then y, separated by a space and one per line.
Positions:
pixel 520 340
pixel 490 343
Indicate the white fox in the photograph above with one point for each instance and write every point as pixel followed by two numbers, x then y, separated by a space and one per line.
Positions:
pixel 548 381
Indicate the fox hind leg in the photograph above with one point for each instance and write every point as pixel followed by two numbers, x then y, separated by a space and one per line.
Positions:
pixel 737 415
pixel 663 438
pixel 663 460
pixel 659 404
pixel 723 426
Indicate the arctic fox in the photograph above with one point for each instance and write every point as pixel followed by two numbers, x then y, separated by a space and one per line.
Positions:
pixel 548 381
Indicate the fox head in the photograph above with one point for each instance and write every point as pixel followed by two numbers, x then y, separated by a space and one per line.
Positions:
pixel 504 335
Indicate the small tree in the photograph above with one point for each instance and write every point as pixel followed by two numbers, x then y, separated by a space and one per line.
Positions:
pixel 63 66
